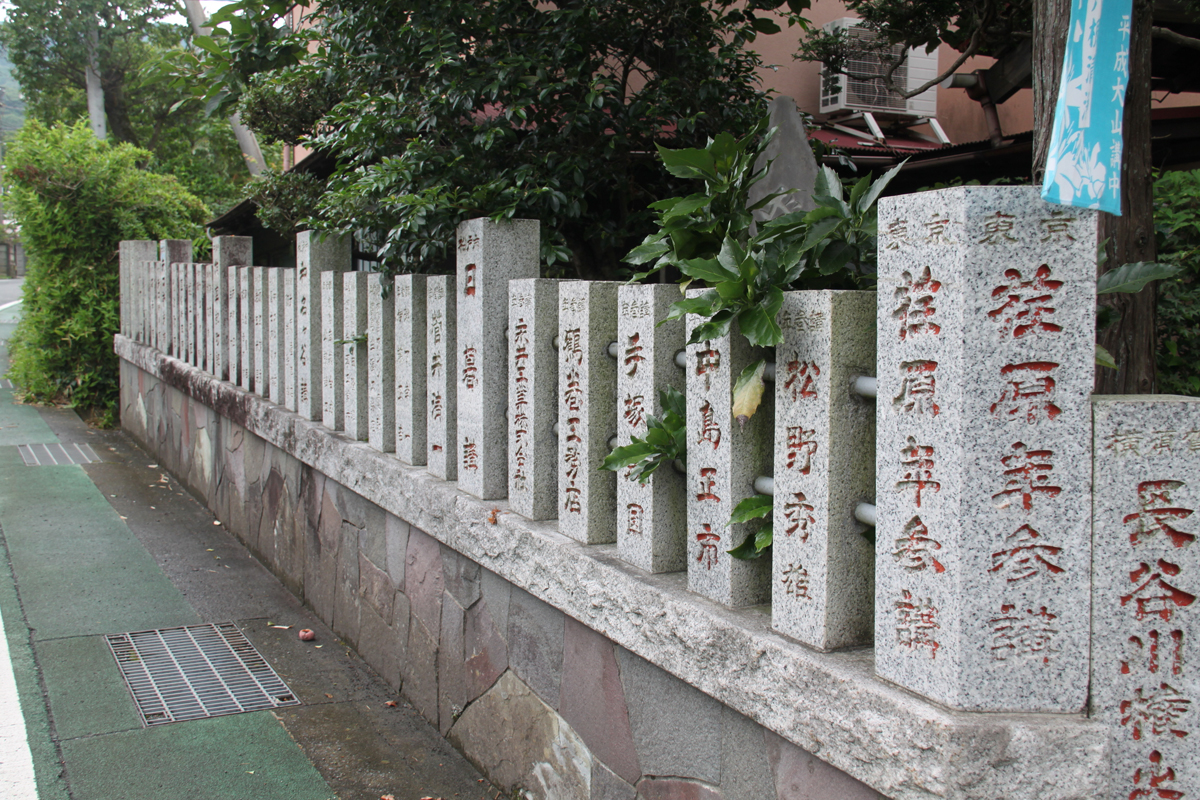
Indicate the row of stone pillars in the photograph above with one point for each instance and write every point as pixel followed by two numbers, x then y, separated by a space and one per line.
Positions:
pixel 1026 557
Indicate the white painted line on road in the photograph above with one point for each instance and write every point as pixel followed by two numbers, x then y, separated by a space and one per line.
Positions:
pixel 13 303
pixel 16 762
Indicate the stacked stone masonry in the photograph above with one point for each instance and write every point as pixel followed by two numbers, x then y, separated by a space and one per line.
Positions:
pixel 654 629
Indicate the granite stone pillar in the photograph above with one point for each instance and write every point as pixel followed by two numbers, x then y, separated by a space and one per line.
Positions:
pixel 587 418
pixel 1145 645
pixel 315 255
pixel 533 397
pixel 289 339
pixel 986 339
pixel 411 376
pixel 823 566
pixel 651 517
pixel 724 458
pixel 354 376
pixel 228 251
pixel 442 409
pixel 249 344
pixel 260 307
pixel 134 256
pixel 490 254
pixel 274 315
pixel 381 363
pixel 333 354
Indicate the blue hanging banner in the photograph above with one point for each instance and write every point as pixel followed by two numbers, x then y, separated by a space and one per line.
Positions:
pixel 1083 167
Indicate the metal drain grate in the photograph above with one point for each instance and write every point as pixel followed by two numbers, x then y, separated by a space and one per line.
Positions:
pixel 44 455
pixel 198 671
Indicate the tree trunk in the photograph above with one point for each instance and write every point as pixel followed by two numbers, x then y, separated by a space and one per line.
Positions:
pixel 95 90
pixel 1051 19
pixel 1132 340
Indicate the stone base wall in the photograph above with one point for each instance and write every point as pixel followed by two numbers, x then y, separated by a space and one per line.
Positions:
pixel 537 700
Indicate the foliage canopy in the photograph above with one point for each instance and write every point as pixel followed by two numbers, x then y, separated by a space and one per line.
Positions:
pixel 503 108
pixel 75 199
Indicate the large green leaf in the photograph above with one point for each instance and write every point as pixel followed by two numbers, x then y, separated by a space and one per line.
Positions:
pixel 690 162
pixel 1104 358
pixel 646 251
pixel 709 270
pixel 1131 278
pixel 872 194
pixel 748 392
pixel 756 506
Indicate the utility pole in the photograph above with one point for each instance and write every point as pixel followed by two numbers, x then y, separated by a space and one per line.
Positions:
pixel 95 90
pixel 246 139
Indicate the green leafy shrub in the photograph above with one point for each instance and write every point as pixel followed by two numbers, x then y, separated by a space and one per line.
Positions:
pixel 1177 224
pixel 75 199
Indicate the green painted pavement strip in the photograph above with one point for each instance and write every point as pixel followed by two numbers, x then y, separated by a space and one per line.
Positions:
pixel 84 687
pixel 19 424
pixel 239 757
pixel 79 568
pixel 46 766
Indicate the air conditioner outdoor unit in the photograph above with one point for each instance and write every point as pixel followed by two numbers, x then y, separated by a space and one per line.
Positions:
pixel 842 94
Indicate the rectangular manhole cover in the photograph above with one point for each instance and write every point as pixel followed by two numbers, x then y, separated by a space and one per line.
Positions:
pixel 45 455
pixel 194 672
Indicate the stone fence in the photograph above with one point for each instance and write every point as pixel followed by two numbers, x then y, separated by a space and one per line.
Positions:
pixel 983 578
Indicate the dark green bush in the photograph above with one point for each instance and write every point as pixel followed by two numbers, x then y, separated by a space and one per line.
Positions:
pixel 75 198
pixel 1177 223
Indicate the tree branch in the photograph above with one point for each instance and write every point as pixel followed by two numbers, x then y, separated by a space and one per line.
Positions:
pixel 1168 35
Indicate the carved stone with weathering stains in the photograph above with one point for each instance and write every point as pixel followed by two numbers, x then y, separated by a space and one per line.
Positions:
pixel 1145 676
pixel 986 331
pixel 381 364
pixel 532 397
pixel 823 566
pixel 411 368
pixel 315 255
pixel 651 517
pixel 354 370
pixel 490 254
pixel 587 383
pixel 442 401
pixel 724 458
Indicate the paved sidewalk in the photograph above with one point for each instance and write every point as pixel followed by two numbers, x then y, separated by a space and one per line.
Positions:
pixel 117 546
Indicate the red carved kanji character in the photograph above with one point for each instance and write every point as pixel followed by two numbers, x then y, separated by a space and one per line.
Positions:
pixel 917 462
pixel 710 430
pixel 795 580
pixel 1149 650
pixel 1154 499
pixel 435 405
pixel 573 394
pixel 1192 439
pixel 435 326
pixel 916 621
pixel 800 382
pixel 1153 779
pixel 1161 442
pixel 633 525
pixel 798 514
pixel 708 361
pixel 633 354
pixel 708 480
pixel 937 230
pixel 572 345
pixel 918 388
pixel 1024 633
pixel 1026 473
pixel 470 372
pixel 573 433
pixel 709 550
pixel 1026 556
pixel 469 285
pixel 1029 392
pixel 572 505
pixel 635 410
pixel 998 229
pixel 1026 303
pixel 801 447
pixel 914 298
pixel 470 460
pixel 1155 711
pixel 435 364
pixel 1155 596
pixel 1125 442
pixel 915 548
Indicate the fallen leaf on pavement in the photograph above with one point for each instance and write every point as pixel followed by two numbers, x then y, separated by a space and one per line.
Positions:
pixel 390 704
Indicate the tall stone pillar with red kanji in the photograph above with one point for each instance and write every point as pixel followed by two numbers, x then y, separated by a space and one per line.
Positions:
pixel 490 254
pixel 986 340
pixel 1145 681
pixel 823 564
pixel 532 397
pixel 725 455
pixel 587 419
pixel 651 516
